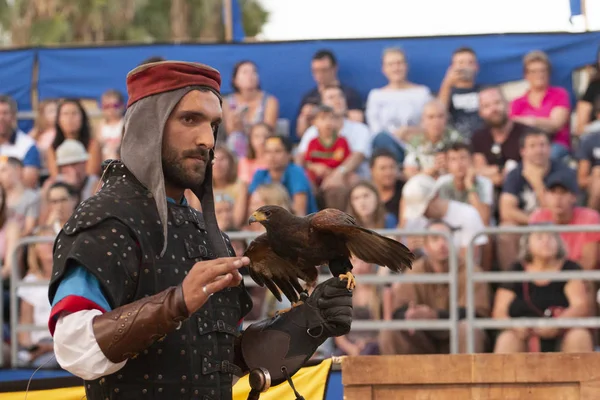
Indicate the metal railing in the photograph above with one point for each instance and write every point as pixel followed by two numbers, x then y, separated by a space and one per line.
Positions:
pixel 16 281
pixel 473 277
pixel 451 278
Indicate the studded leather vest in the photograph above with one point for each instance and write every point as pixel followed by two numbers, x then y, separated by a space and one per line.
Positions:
pixel 116 235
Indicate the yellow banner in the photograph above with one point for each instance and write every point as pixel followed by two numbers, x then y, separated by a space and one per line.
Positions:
pixel 309 381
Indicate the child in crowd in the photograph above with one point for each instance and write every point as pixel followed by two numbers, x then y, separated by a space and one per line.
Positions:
pixel 328 151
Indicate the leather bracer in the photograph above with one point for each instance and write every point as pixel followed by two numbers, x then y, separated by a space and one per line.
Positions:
pixel 126 331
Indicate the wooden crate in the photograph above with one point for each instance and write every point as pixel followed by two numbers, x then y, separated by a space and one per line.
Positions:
pixel 534 376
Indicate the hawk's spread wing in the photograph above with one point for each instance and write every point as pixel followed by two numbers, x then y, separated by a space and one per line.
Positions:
pixel 277 274
pixel 363 243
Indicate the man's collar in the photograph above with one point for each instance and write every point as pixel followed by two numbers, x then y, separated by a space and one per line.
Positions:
pixel 182 202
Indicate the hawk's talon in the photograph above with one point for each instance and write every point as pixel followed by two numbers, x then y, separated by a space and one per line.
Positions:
pixel 351 280
pixel 294 305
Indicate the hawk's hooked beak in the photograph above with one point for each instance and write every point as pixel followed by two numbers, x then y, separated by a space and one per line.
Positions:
pixel 257 216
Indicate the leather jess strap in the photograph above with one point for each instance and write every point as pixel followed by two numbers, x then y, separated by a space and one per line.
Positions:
pixel 206 326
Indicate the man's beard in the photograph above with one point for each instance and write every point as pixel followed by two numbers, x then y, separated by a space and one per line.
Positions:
pixel 175 171
pixel 497 122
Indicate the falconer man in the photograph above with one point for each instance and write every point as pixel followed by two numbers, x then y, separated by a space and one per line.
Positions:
pixel 147 300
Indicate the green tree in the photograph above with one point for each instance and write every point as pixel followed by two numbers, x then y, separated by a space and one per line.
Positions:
pixel 33 22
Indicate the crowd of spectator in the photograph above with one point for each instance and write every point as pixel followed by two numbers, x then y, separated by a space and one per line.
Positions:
pixel 455 161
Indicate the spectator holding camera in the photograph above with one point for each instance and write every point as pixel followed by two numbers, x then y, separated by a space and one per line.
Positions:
pixel 460 93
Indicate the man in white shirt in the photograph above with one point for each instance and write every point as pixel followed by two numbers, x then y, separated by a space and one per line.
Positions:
pixel 147 301
pixel 356 133
pixel 421 202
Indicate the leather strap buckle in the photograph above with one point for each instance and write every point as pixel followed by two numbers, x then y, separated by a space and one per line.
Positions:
pixel 206 326
pixel 210 366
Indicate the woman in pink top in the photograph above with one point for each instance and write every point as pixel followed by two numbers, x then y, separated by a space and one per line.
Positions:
pixel 543 106
pixel 254 159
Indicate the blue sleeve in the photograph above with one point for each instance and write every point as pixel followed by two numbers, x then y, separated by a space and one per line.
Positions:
pixel 32 158
pixel 256 181
pixel 391 222
pixel 80 282
pixel 299 182
pixel 512 184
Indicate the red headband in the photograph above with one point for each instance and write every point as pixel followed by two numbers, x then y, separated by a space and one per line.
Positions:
pixel 165 76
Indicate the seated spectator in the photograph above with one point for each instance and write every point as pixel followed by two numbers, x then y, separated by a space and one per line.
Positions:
pixel 544 107
pixel 422 203
pixel 588 168
pixel 224 207
pixel 416 301
pixel 16 143
pixel 368 209
pixel 366 305
pixel 460 93
pixel 62 200
pixel 23 204
pixel 10 233
pixel 324 69
pixel 328 150
pixel 281 169
pixel 268 194
pixel 44 130
pixel 523 190
pixel 71 160
pixel 225 181
pixel 110 131
pixel 585 111
pixel 73 123
pixel 356 133
pixel 426 152
pixel 394 111
pixel 264 303
pixel 542 252
pixel 247 106
pixel 560 209
pixel 385 173
pixel 495 147
pixel 255 157
pixel 463 184
pixel 37 349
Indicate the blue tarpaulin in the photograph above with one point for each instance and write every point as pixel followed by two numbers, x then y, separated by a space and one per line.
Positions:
pixel 284 67
pixel 16 68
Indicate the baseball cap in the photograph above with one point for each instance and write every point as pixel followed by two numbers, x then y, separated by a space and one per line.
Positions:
pixel 71 151
pixel 417 193
pixel 565 178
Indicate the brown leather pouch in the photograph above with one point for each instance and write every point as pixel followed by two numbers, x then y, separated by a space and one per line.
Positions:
pixel 126 331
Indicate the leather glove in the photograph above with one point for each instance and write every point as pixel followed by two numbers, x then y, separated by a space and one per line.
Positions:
pixel 285 342
pixel 334 302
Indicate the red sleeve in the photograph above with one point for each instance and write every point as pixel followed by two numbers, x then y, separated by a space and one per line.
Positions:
pixel 69 305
